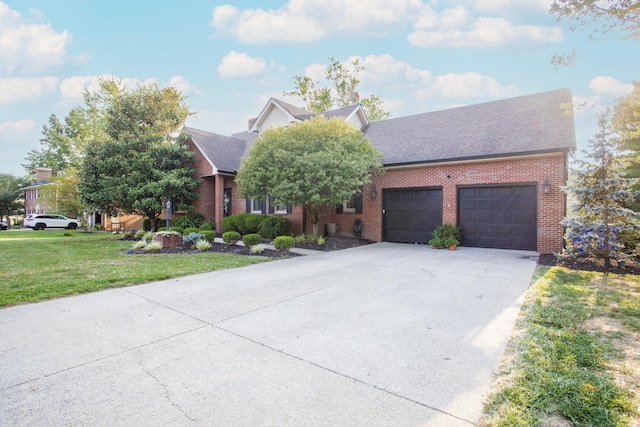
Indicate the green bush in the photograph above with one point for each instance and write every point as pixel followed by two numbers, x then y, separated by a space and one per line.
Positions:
pixel 208 235
pixel 162 228
pixel 190 230
pixel 191 219
pixel 283 243
pixel 274 226
pixel 178 229
pixel 146 224
pixel 254 222
pixel 241 223
pixel 139 234
pixel 229 224
pixel 208 225
pixel 231 237
pixel 251 239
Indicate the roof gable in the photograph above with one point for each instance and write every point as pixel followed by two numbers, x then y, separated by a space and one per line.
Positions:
pixel 277 113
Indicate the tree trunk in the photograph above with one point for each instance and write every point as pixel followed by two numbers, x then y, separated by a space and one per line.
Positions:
pixel 153 223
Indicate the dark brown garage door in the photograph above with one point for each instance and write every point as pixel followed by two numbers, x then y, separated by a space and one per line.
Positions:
pixel 501 217
pixel 410 215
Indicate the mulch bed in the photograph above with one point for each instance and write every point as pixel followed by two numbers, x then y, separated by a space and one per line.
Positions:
pixel 630 266
pixel 331 244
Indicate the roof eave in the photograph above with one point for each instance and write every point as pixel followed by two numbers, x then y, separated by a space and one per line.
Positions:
pixel 479 159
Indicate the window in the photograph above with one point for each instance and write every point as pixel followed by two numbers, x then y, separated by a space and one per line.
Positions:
pixel 257 206
pixel 281 209
pixel 354 205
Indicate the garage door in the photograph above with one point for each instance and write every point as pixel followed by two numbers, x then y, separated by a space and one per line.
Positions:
pixel 410 215
pixel 501 217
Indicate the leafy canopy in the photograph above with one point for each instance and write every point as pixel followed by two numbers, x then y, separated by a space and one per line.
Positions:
pixel 141 162
pixel 343 80
pixel 317 163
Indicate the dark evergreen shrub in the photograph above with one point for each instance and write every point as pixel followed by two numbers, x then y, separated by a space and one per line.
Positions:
pixel 274 226
pixel 251 239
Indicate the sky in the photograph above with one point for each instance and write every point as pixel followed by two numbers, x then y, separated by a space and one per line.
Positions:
pixel 229 58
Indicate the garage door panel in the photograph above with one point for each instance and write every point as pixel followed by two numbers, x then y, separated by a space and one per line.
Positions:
pixel 411 214
pixel 499 216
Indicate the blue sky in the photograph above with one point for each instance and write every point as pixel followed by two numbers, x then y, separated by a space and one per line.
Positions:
pixel 229 58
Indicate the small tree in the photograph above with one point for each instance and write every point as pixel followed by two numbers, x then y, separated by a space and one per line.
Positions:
pixel 343 80
pixel 318 164
pixel 600 194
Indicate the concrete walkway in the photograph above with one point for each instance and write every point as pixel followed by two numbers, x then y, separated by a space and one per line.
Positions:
pixel 380 335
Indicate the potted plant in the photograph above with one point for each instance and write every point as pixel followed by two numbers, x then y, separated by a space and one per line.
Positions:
pixel 446 235
pixel 436 242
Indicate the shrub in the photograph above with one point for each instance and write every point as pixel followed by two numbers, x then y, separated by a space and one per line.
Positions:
pixel 202 245
pixel 191 239
pixel 127 234
pixel 283 243
pixel 237 223
pixel 177 228
pixel 153 246
pixel 191 219
pixel 321 240
pixel 67 233
pixel 231 237
pixel 139 234
pixel 257 249
pixel 208 225
pixel 139 244
pixel 190 230
pixel 162 228
pixel 229 224
pixel 148 236
pixel 251 239
pixel 208 235
pixel 274 226
pixel 300 238
pixel 254 222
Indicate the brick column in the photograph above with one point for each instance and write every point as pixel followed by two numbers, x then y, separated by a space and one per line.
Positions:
pixel 218 195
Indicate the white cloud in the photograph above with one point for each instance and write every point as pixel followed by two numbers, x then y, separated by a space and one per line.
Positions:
pixel 24 89
pixel 183 85
pixel 301 21
pixel 21 126
pixel 72 89
pixel 240 65
pixel 607 85
pixel 483 32
pixel 28 47
pixel 467 85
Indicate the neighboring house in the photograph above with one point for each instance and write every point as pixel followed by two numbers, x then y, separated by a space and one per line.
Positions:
pixel 495 169
pixel 34 201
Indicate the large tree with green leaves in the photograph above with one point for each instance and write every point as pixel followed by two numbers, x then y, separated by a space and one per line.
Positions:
pixel 342 80
pixel 142 162
pixel 626 121
pixel 600 194
pixel 317 164
pixel 11 202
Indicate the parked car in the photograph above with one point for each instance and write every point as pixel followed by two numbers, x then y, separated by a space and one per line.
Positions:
pixel 4 225
pixel 42 221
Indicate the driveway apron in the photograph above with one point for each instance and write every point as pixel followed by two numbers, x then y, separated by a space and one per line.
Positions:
pixel 380 335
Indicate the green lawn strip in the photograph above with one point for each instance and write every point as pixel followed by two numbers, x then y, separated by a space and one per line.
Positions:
pixel 559 370
pixel 58 266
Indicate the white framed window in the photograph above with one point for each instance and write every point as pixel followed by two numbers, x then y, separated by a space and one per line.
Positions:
pixel 256 205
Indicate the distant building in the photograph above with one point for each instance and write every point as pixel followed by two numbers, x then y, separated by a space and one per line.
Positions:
pixel 35 201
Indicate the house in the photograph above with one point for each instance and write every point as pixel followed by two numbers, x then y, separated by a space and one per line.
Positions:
pixel 495 169
pixel 34 202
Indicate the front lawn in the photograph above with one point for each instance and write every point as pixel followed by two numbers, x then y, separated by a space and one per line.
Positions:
pixel 37 265
pixel 573 359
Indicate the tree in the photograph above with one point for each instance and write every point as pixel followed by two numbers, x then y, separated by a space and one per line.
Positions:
pixel 142 162
pixel 343 81
pixel 317 164
pixel 62 143
pixel 618 15
pixel 626 121
pixel 11 202
pixel 63 196
pixel 600 193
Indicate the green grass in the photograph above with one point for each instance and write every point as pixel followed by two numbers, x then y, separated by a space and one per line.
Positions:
pixel 46 264
pixel 559 370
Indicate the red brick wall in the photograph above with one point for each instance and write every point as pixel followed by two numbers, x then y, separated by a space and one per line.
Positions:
pixel 551 208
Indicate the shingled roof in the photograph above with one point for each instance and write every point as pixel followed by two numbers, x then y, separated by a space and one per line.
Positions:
pixel 524 125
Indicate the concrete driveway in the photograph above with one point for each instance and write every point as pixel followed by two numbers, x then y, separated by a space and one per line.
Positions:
pixel 380 335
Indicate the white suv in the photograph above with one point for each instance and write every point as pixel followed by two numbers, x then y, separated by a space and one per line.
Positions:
pixel 42 221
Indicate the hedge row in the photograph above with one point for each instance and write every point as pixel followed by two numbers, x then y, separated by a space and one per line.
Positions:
pixel 267 226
